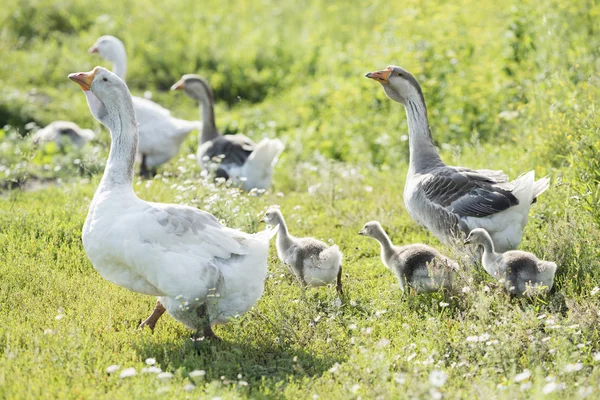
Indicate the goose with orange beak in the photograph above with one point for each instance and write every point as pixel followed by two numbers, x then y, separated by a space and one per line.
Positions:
pixel 452 201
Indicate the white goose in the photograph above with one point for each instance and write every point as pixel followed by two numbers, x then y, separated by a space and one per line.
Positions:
pixel 161 135
pixel 180 254
pixel 451 201
pixel 523 273
pixel 247 164
pixel 63 133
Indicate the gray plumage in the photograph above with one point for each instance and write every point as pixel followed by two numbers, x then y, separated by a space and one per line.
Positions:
pixel 63 133
pixel 312 261
pixel 522 272
pixel 417 265
pixel 238 157
pixel 451 201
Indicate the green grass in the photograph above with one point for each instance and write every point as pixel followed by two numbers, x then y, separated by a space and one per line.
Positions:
pixel 509 85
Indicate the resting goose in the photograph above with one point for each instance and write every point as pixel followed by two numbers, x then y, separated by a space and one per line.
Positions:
pixel 202 272
pixel 161 135
pixel 247 164
pixel 63 133
pixel 313 262
pixel 520 270
pixel 451 201
pixel 419 266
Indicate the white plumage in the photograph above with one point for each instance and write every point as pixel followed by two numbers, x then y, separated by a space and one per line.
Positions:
pixel 63 133
pixel 202 272
pixel 161 134
pixel 312 261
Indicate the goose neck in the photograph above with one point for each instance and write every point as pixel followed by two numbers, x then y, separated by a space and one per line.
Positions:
pixel 385 243
pixel 423 154
pixel 209 126
pixel 123 148
pixel 119 60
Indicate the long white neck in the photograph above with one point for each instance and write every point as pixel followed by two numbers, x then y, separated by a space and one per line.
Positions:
pixel 119 59
pixel 209 126
pixel 123 148
pixel 423 154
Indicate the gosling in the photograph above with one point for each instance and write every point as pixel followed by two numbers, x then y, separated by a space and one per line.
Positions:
pixel 419 266
pixel 523 273
pixel 313 262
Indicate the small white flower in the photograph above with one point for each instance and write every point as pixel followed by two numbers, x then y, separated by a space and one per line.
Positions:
pixel 573 367
pixel 59 317
pixel 597 356
pixel 353 327
pixel 411 357
pixel 486 289
pixel 435 394
pixel 337 302
pixel 526 386
pixel 484 337
pixel 466 289
pixel 443 304
pixel 189 387
pixel 523 375
pixel 112 369
pixel 197 373
pixel 472 339
pixel 128 372
pixel 552 387
pixel 355 388
pixel 595 291
pixel 164 375
pixel 243 383
pixel 335 367
pixel 368 189
pixel 399 378
pixel 49 331
pixel 585 391
pixel 150 361
pixel 437 378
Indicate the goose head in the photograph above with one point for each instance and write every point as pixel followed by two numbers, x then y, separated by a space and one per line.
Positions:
pixel 273 216
pixel 195 87
pixel 107 96
pixel 108 47
pixel 398 84
pixel 371 229
pixel 478 236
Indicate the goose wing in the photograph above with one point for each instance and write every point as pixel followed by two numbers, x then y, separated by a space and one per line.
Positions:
pixel 235 149
pixel 466 192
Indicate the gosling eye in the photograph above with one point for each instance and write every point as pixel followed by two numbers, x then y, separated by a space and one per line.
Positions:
pixel 105 80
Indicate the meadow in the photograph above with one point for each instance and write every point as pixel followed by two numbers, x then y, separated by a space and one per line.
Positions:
pixel 511 85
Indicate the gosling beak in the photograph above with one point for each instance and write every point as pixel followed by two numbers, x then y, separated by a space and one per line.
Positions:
pixel 177 85
pixel 84 79
pixel 93 49
pixel 468 241
pixel 380 76
pixel 362 232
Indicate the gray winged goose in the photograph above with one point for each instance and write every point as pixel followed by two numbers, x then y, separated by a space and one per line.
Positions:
pixel 312 261
pixel 247 164
pixel 523 273
pixel 161 134
pixel 417 265
pixel 451 201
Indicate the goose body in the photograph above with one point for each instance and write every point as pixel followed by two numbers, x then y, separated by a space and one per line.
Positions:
pixel 419 266
pixel 522 272
pixel 201 271
pixel 63 133
pixel 451 201
pixel 160 134
pixel 247 164
pixel 312 261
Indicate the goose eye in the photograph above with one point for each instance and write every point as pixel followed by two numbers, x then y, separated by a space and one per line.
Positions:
pixel 105 80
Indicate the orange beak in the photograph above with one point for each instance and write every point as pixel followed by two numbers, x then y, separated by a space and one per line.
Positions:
pixel 178 85
pixel 93 49
pixel 84 79
pixel 380 76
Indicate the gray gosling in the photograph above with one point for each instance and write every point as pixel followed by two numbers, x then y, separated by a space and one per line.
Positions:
pixel 313 262
pixel 523 273
pixel 419 266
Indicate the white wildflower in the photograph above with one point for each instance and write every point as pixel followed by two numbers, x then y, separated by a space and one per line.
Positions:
pixel 112 369
pixel 522 376
pixel 352 327
pixel 243 383
pixel 164 375
pixel 150 361
pixel 443 304
pixel 472 339
pixel 552 387
pixel 526 386
pixel 585 391
pixel 399 378
pixel 573 367
pixel 597 356
pixel 151 370
pixel 437 378
pixel 595 291
pixel 368 189
pixel 355 388
pixel 128 372
pixel 411 357
pixel 466 289
pixel 337 302
pixel 435 394
pixel 335 367
pixel 189 387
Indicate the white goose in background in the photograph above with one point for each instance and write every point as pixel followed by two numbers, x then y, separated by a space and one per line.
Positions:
pixel 312 261
pixel 161 135
pixel 417 265
pixel 247 164
pixel 178 253
pixel 451 201
pixel 523 273
pixel 63 133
